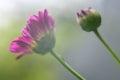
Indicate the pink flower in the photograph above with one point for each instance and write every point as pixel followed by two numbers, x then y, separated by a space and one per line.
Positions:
pixel 37 36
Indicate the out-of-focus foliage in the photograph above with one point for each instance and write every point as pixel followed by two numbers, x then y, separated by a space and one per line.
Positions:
pixel 82 50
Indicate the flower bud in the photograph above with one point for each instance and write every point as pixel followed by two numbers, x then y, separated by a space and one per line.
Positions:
pixel 89 19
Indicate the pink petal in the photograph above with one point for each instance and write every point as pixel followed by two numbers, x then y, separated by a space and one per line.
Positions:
pixel 33 27
pixel 51 22
pixel 21 45
pixel 33 18
pixel 42 21
pixel 26 33
pixel 48 20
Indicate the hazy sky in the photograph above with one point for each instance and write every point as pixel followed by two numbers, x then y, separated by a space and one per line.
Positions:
pixel 10 7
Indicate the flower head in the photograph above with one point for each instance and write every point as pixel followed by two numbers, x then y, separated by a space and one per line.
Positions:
pixel 89 19
pixel 37 36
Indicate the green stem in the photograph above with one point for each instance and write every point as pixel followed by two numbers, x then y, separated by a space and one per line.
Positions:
pixel 64 63
pixel 107 46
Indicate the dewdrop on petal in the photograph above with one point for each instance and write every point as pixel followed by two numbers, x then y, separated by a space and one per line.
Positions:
pixel 89 19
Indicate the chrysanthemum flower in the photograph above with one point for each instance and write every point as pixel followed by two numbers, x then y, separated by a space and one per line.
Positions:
pixel 37 36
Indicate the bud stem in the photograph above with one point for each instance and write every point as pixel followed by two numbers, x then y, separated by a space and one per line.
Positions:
pixel 64 63
pixel 107 46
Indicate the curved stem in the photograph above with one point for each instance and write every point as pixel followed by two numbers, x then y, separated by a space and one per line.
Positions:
pixel 107 46
pixel 64 63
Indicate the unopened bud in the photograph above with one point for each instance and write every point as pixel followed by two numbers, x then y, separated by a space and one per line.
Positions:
pixel 89 19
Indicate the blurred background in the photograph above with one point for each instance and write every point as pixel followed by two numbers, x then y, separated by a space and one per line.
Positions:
pixel 82 50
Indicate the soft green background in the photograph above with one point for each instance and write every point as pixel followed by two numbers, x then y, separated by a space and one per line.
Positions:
pixel 82 50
